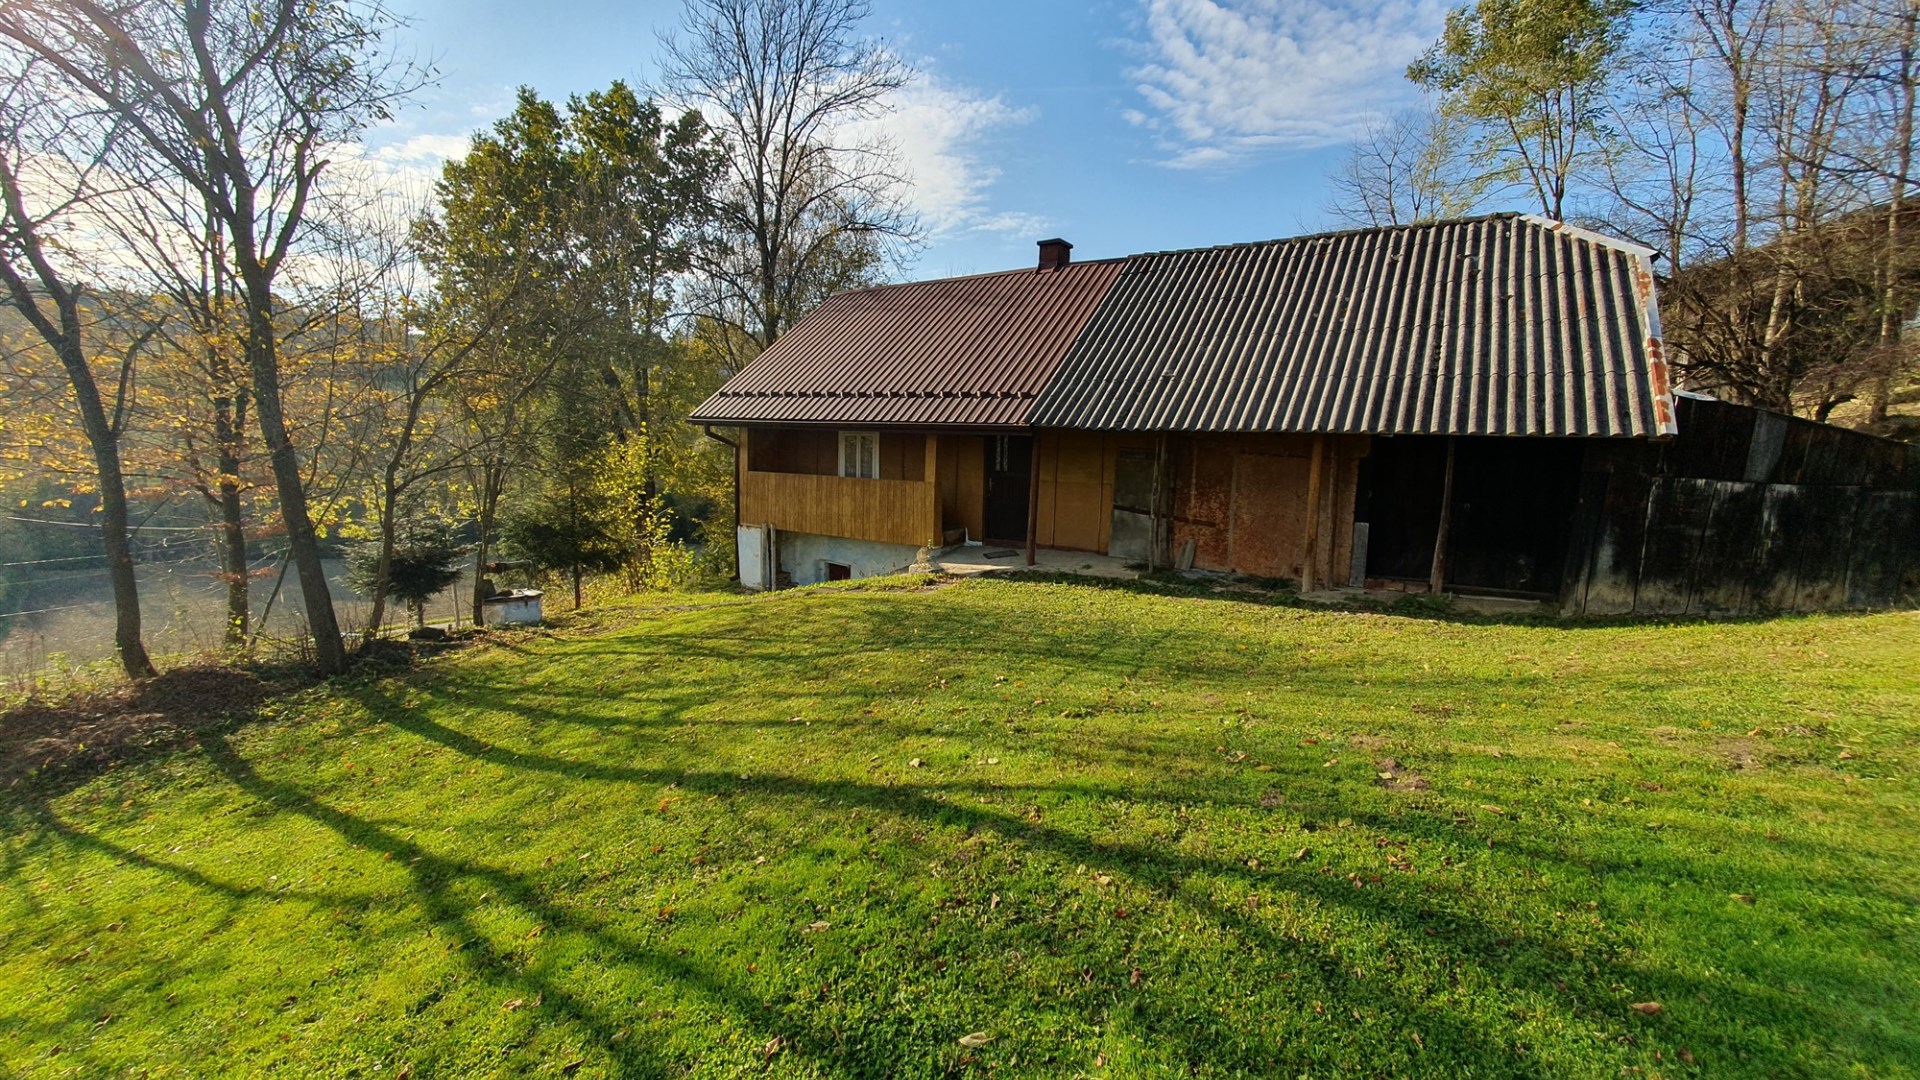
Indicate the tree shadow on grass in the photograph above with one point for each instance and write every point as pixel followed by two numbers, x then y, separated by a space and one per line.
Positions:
pixel 1525 967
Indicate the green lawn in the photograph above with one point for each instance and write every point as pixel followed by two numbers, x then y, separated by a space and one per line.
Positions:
pixel 837 832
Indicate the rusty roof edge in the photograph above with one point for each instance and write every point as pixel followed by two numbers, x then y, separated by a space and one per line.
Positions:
pixel 1582 233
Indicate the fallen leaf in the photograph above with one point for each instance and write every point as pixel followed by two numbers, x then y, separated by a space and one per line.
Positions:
pixel 1133 979
pixel 514 1005
pixel 569 1068
pixel 975 1041
pixel 1686 1055
pixel 1492 809
pixel 1745 898
pixel 774 1046
pixel 915 763
pixel 818 926
pixel 1302 854
pixel 1646 1008
pixel 1846 755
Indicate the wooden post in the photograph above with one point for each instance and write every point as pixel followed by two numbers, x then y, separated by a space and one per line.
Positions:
pixel 937 535
pixel 1316 484
pixel 1033 495
pixel 1153 503
pixel 1439 575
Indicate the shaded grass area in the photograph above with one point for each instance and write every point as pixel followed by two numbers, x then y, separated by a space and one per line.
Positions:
pixel 834 831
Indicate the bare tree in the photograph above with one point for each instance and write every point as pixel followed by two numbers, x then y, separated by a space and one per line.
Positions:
pixel 241 101
pixel 51 303
pixel 1404 169
pixel 808 206
pixel 1764 146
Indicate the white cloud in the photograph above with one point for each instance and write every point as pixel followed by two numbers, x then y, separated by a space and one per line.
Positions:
pixel 944 135
pixel 430 150
pixel 1225 81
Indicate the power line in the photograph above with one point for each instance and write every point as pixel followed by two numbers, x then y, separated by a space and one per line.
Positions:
pixel 43 562
pixel 92 525
pixel 44 610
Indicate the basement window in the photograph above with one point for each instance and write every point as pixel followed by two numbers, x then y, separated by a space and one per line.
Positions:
pixel 839 572
pixel 860 454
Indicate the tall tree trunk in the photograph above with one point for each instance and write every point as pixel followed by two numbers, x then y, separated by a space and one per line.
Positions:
pixel 115 535
pixel 1892 295
pixel 233 559
pixel 233 531
pixel 492 481
pixel 383 573
pixel 330 653
pixel 103 437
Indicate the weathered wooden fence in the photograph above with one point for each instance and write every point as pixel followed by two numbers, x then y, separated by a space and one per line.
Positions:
pixel 1745 512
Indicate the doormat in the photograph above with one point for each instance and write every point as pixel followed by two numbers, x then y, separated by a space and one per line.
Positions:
pixel 999 553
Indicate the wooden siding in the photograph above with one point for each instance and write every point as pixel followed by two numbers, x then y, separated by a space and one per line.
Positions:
pixel 962 483
pixel 887 511
pixel 1076 487
pixel 817 452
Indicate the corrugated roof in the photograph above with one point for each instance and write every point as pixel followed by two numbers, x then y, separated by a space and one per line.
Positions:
pixel 1503 325
pixel 969 352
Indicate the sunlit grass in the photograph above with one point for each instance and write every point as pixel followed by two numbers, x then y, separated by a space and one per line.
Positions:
pixel 836 831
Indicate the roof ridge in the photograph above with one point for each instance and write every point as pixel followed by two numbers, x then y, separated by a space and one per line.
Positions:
pixel 1331 234
pixel 1034 270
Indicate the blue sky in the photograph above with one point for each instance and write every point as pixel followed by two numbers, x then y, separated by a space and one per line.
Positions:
pixel 1122 125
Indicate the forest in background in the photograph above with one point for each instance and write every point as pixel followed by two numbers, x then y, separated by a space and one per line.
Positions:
pixel 225 345
pixel 221 334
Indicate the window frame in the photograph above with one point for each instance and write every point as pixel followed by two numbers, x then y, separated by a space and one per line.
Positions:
pixel 851 440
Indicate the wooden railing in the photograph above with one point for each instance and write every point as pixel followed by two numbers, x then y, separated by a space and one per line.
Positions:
pixel 888 511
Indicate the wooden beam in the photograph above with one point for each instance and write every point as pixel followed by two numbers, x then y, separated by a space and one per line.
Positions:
pixel 1439 576
pixel 936 534
pixel 1316 485
pixel 1033 496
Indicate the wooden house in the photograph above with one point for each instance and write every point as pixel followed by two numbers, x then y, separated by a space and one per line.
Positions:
pixel 1480 404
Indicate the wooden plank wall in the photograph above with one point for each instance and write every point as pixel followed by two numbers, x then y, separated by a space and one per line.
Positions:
pixel 962 483
pixel 889 511
pixel 1076 486
pixel 816 452
pixel 1745 512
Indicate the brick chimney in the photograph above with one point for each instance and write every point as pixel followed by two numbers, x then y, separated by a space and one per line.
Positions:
pixel 1055 253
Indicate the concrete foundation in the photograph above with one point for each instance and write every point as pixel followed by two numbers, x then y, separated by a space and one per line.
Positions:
pixel 805 557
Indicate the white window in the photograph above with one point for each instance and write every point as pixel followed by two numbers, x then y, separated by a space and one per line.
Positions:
pixel 860 454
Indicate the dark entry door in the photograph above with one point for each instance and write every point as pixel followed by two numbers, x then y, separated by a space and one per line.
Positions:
pixel 1009 464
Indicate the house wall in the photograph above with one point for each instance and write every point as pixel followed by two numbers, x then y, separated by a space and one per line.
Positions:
pixel 804 556
pixel 781 485
pixel 1076 486
pixel 962 460
pixel 816 452
pixel 1242 501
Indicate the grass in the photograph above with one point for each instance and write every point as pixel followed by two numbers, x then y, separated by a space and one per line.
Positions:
pixel 834 832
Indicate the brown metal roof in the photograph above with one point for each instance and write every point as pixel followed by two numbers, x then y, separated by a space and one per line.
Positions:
pixel 969 352
pixel 1504 325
